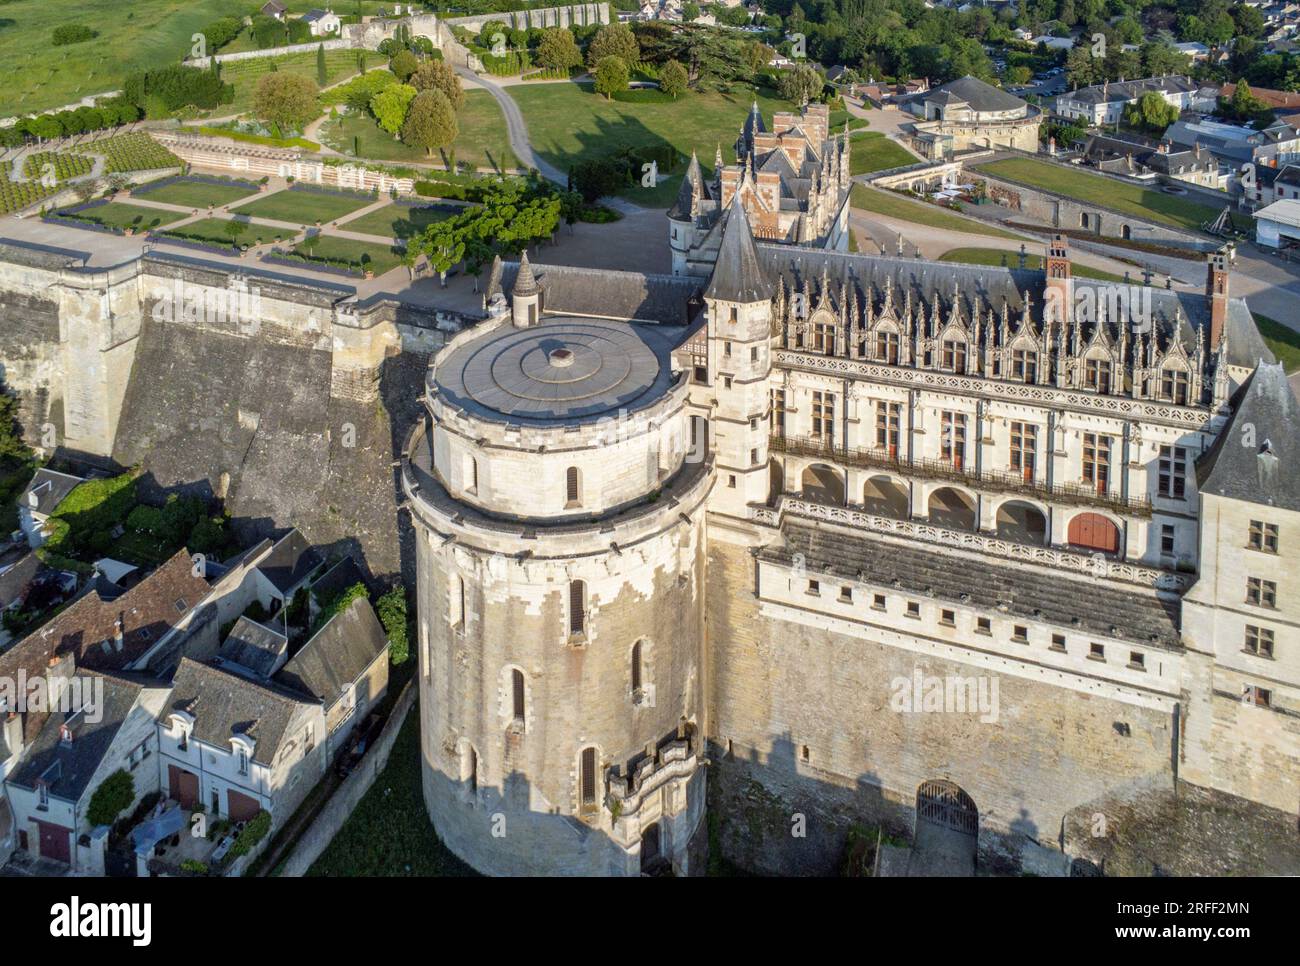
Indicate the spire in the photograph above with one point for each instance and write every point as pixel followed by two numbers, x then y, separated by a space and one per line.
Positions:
pixel 737 276
pixel 525 281
pixel 691 192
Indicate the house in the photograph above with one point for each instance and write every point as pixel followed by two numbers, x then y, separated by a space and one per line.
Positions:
pixel 967 114
pixel 1105 103
pixel 1278 225
pixel 274 9
pixel 1236 145
pixel 44 493
pixel 1139 157
pixel 1053 43
pixel 110 727
pixel 322 22
pixel 1281 102
pixel 236 746
pixel 287 566
pixel 16 579
pixel 333 582
pixel 1199 53
pixel 345 667
pixel 253 648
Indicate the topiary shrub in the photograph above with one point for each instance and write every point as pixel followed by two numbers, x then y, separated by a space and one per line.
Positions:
pixel 113 796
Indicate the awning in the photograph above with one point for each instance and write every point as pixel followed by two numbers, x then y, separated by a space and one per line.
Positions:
pixel 153 830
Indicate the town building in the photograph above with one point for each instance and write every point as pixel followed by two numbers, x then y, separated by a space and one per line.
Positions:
pixel 1104 103
pixel 968 114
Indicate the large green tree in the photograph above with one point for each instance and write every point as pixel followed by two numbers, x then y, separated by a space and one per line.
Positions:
pixel 389 106
pixel 557 50
pixel 614 40
pixel 611 76
pixel 430 122
pixel 672 78
pixel 438 75
pixel 286 100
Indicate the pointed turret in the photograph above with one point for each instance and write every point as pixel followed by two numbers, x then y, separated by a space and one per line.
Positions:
pixel 690 194
pixel 737 276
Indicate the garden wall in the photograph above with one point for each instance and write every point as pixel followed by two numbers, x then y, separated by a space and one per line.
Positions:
pixel 340 806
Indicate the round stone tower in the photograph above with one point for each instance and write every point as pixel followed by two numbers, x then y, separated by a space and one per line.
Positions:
pixel 559 520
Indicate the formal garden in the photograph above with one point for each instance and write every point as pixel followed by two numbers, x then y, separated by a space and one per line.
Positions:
pixel 303 205
pixel 197 191
pixel 118 216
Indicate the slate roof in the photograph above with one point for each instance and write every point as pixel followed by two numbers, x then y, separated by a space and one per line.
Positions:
pixel 691 191
pixel 68 768
pixel 148 611
pixel 17 577
pixel 737 275
pixel 254 646
pixel 290 561
pixel 47 490
pixel 598 293
pixel 1088 607
pixel 1123 91
pixel 225 704
pixel 338 654
pixel 337 579
pixel 982 97
pixel 1267 417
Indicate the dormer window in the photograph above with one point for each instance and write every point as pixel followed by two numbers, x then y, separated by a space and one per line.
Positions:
pixel 1175 386
pixel 1024 365
pixel 954 355
pixel 241 761
pixel 887 347
pixel 1096 375
pixel 181 605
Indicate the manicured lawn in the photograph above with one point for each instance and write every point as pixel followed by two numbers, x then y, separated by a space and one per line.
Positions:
pixel 221 231
pixel 36 76
pixel 245 74
pixel 400 221
pixel 117 214
pixel 196 193
pixel 893 205
pixel 568 123
pixel 365 255
pixel 303 207
pixel 872 151
pixel 1282 339
pixel 1150 204
pixel 389 832
pixel 1009 258
pixel 483 141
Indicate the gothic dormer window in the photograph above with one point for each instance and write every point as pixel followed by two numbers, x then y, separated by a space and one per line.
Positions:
pixel 1097 375
pixel 1175 386
pixel 954 355
pixel 887 346
pixel 1024 365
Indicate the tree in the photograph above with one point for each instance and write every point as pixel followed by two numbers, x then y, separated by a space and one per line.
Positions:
pixel 690 11
pixel 430 122
pixel 12 447
pixel 558 50
pixel 614 40
pixel 322 76
pixel 392 614
pixel 597 178
pixel 1151 112
pixel 758 55
pixel 403 65
pixel 672 78
pixel 389 106
pixel 113 796
pixel 438 75
pixel 800 83
pixel 286 100
pixel 611 76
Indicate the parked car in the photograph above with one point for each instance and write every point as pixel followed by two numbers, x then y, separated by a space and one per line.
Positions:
pixel 361 741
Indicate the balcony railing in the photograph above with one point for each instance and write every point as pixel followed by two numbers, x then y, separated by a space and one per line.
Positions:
pixel 957 472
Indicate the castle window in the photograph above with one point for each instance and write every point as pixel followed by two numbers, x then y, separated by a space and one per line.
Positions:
pixel 517 696
pixel 1020 634
pixel 913 609
pixel 587 778
pixel 1260 592
pixel 1175 386
pixel 983 625
pixel 1024 365
pixel 1137 661
pixel 948 618
pixel 1058 642
pixel 1259 641
pixel 1096 375
pixel 778 411
pixel 1097 652
pixel 815 587
pixel 1024 448
pixel 1167 538
pixel 753 457
pixel 470 766
pixel 753 354
pixel 823 337
pixel 952 440
pixel 887 347
pixel 1260 697
pixel 577 607
pixel 1173 472
pixel 878 602
pixel 888 418
pixel 805 753
pixel 733 315
pixel 726 349
pixel 1263 536
pixel 954 355
pixel 823 415
pixel 636 669
pixel 1096 461
pixel 726 382
pixel 572 487
pixel 846 594
pixel 471 474
pixel 701 375
pixel 456 602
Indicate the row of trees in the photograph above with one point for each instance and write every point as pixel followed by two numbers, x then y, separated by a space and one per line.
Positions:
pixel 418 102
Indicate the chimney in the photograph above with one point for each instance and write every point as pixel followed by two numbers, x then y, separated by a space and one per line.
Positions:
pixel 1059 288
pixel 119 639
pixel 1216 290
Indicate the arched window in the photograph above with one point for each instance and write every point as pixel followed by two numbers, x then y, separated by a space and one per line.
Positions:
pixel 636 668
pixel 571 489
pixel 577 607
pixel 471 474
pixel 456 601
pixel 587 779
pixel 517 695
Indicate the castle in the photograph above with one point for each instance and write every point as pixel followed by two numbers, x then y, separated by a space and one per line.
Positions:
pixel 793 182
pixel 745 519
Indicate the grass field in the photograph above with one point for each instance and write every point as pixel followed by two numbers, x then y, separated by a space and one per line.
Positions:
pixel 36 76
pixel 568 123
pixel 893 205
pixel 1152 205
pixel 219 231
pixel 1005 257
pixel 302 207
pixel 1282 339
pixel 872 151
pixel 400 221
pixel 365 255
pixel 196 194
pixel 389 833
pixel 245 74
pixel 483 141
pixel 117 214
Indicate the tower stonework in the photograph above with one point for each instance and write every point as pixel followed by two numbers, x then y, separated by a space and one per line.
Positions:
pixel 560 527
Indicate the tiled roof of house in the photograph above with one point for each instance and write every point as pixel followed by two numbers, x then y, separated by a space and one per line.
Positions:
pixel 47 490
pixel 338 654
pixel 1256 458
